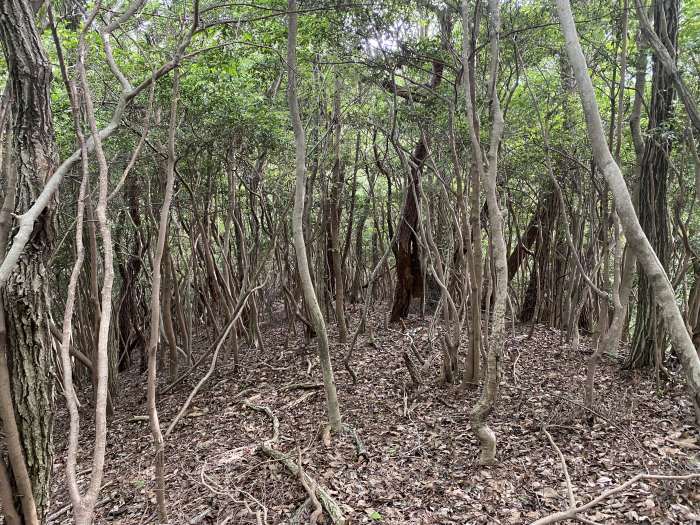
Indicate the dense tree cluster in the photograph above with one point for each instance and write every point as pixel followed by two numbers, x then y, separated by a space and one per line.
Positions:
pixel 175 175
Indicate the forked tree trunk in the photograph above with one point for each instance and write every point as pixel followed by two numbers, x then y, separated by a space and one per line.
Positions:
pixel 316 317
pixel 26 296
pixel 663 291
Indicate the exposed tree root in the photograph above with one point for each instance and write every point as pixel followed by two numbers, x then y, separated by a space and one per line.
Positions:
pixel 275 422
pixel 296 517
pixel 328 503
pixel 318 510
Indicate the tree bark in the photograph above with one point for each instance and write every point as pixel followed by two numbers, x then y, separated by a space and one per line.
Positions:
pixel 409 270
pixel 492 375
pixel 648 340
pixel 26 296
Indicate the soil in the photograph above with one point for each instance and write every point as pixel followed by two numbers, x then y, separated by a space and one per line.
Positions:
pixel 420 465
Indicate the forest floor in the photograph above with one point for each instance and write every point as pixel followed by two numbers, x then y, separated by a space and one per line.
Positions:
pixel 421 465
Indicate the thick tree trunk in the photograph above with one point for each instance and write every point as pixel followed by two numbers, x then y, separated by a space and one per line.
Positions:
pixel 409 275
pixel 543 231
pixel 529 238
pixel 21 485
pixel 409 270
pixel 648 341
pixel 26 295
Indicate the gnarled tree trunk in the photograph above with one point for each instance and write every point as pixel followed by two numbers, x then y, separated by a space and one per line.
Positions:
pixel 648 341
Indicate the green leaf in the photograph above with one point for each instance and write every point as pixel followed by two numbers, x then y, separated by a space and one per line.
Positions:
pixel 374 515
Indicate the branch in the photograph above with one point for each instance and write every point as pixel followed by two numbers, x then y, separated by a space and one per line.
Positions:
pixel 572 513
pixel 25 221
pixel 669 64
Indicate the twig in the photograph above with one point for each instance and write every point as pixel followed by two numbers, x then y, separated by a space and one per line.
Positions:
pixel 584 407
pixel 569 487
pixel 572 513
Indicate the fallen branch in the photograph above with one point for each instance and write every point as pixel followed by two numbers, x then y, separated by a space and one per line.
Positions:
pixel 359 446
pixel 327 502
pixel 572 513
pixel 569 487
pixel 299 400
pixel 301 386
pixel 412 370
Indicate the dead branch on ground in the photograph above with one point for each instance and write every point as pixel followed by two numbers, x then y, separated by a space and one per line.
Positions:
pixel 327 502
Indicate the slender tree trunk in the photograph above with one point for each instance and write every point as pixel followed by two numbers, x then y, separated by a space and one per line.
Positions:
pixel 169 285
pixel 335 212
pixel 156 306
pixel 492 378
pixel 472 366
pixel 310 298
pixel 610 334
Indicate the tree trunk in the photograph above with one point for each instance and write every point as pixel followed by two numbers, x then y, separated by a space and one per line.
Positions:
pixel 648 341
pixel 26 297
pixel 492 378
pixel 662 289
pixel 335 211
pixel 310 298
pixel 409 270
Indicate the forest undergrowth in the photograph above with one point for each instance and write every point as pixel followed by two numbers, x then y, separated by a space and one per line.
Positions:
pixel 412 457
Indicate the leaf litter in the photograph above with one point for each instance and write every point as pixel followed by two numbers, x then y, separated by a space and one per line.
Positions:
pixel 420 464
